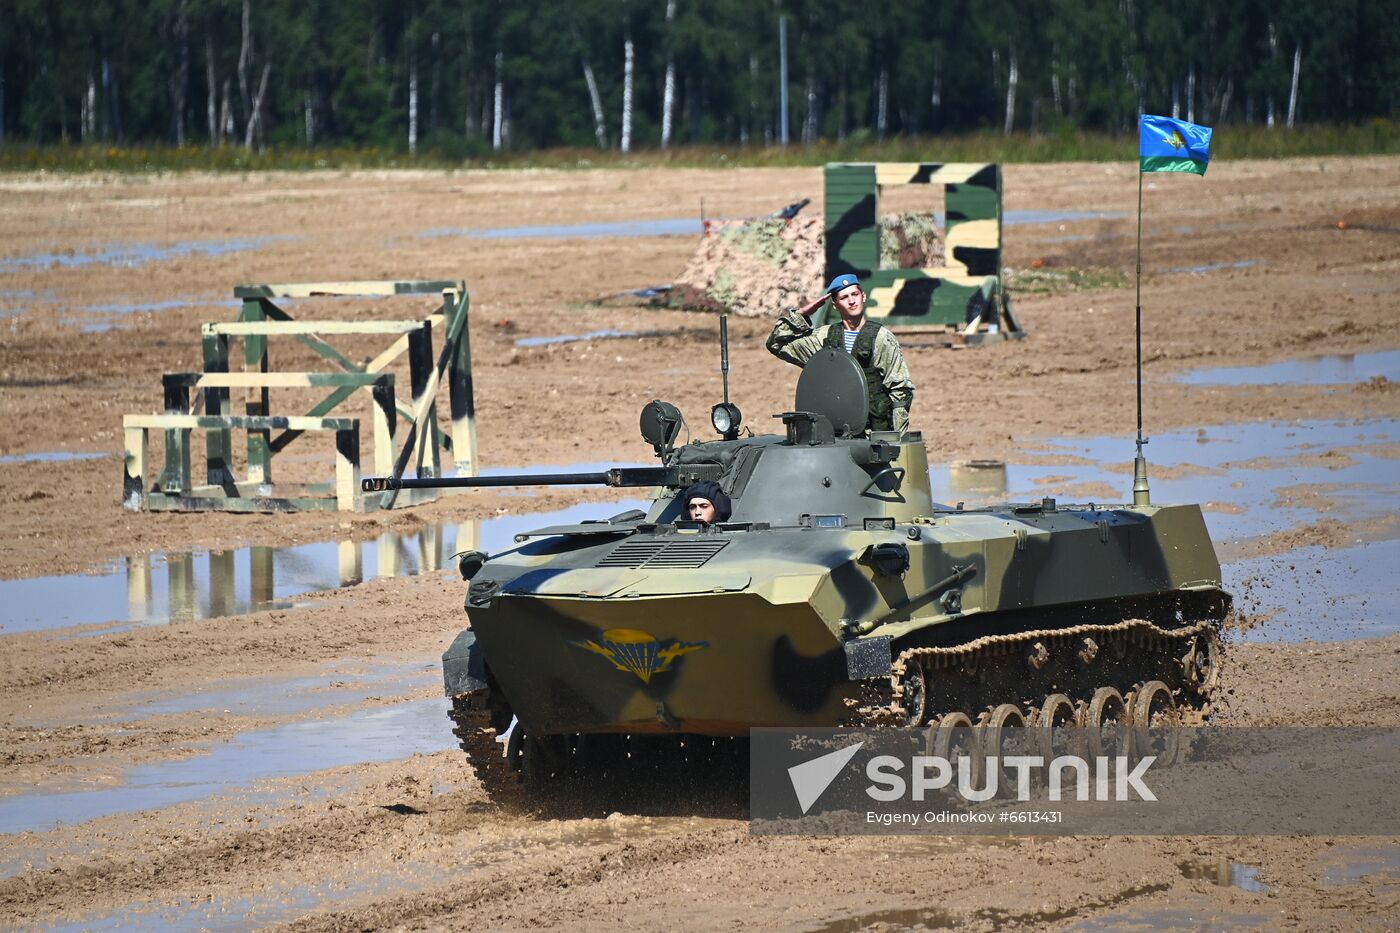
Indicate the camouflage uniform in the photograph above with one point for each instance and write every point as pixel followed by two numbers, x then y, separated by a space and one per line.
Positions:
pixel 795 340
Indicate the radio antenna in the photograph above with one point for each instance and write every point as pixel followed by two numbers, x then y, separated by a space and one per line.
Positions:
pixel 1141 494
pixel 724 351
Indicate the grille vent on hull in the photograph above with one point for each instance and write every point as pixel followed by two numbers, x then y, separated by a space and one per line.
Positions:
pixel 675 555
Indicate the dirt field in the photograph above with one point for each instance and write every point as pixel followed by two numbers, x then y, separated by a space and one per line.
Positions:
pixel 126 790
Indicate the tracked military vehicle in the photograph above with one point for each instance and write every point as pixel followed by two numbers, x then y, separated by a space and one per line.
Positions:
pixel 837 592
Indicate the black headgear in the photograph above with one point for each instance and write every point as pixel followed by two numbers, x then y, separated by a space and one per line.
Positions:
pixel 712 492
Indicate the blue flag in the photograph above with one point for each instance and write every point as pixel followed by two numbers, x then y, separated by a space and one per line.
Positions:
pixel 1167 145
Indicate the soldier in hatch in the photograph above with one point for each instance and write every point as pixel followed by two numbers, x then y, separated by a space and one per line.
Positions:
pixel 705 502
pixel 874 347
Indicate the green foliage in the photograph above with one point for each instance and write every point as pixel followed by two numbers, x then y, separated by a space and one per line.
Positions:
pixel 449 151
pixel 862 76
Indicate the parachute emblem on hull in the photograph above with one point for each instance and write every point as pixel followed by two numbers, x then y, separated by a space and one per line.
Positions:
pixel 639 652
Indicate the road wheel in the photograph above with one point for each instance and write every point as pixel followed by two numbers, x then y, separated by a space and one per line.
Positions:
pixel 1104 721
pixel 1057 719
pixel 1201 663
pixel 1004 734
pixel 914 694
pixel 1156 721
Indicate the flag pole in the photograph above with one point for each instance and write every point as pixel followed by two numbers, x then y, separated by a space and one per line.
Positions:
pixel 1141 495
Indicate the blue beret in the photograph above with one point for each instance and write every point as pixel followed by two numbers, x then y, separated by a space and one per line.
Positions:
pixel 840 282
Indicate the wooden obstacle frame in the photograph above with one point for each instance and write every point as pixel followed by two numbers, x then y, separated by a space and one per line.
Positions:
pixel 261 319
pixel 965 296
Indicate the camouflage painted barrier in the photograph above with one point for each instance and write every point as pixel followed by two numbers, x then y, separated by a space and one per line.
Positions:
pixel 965 289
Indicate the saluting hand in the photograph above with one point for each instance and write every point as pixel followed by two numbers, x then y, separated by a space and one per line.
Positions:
pixel 807 309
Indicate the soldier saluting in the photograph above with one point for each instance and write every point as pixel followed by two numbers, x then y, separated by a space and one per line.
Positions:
pixel 874 347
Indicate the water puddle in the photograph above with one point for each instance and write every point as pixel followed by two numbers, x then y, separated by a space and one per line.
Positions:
pixel 1214 267
pixel 1252 480
pixel 1193 914
pixel 373 735
pixel 261 696
pixel 1015 218
pixel 606 334
pixel 137 307
pixel 134 255
pixel 672 226
pixel 1340 369
pixel 55 456
pixel 1225 874
pixel 1348 865
pixel 541 469
pixel 912 918
pixel 1237 471
pixel 692 226
pixel 185 586
pixel 220 915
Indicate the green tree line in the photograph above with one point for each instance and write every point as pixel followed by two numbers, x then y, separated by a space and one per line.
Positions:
pixel 468 77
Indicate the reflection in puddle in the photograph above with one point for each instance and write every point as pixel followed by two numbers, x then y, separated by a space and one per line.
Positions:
pixel 381 734
pixel 981 481
pixel 1225 874
pixel 1317 370
pixel 55 456
pixel 155 589
pixel 132 255
pixel 539 469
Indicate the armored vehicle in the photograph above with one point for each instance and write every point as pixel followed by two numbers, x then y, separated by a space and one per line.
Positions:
pixel 837 592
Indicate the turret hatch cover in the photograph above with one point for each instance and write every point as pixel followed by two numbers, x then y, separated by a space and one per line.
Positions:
pixel 833 384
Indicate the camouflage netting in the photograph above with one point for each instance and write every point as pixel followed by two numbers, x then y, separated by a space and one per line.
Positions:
pixel 764 266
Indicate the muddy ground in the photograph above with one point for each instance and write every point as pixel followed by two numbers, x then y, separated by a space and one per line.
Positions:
pixel 287 761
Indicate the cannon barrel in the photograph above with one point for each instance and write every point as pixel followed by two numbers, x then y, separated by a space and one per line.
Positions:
pixel 618 476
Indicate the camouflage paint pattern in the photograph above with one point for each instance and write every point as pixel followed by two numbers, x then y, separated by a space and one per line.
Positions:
pixel 650 625
pixel 966 290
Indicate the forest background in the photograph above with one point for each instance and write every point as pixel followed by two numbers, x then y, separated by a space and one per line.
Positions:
pixel 262 83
